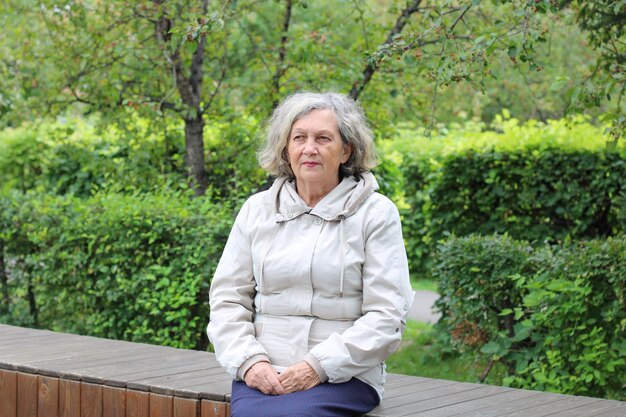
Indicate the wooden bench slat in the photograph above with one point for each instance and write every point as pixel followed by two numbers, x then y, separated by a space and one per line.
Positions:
pixel 107 365
pixel 121 378
pixel 422 395
pixel 458 399
pixel 541 399
pixel 185 407
pixel 613 411
pixel 48 397
pixel 212 409
pixel 27 391
pixel 137 404
pixel 113 402
pixel 8 393
pixel 460 409
pixel 91 400
pixel 161 406
pixel 564 404
pixel 69 398
pixel 175 380
pixel 410 388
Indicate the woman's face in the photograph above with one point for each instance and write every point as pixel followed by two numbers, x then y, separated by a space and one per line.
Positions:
pixel 315 149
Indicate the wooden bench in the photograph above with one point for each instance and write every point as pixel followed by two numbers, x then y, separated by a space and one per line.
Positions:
pixel 48 374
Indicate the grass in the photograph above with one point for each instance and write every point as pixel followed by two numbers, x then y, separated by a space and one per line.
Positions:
pixel 420 355
pixel 424 284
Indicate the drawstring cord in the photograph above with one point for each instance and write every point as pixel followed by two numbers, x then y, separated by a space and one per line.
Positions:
pixel 343 256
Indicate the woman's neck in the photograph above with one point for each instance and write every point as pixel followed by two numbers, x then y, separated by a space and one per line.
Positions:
pixel 314 193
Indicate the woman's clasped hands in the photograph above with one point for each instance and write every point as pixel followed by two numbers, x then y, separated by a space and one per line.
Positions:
pixel 298 377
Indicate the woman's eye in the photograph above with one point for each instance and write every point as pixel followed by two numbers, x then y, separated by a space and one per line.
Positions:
pixel 324 138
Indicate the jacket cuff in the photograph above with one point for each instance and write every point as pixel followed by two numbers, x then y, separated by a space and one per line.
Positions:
pixel 241 372
pixel 317 367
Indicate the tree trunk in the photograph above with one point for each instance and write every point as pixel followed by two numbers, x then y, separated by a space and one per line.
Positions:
pixel 4 281
pixel 32 302
pixel 190 90
pixel 282 53
pixel 194 154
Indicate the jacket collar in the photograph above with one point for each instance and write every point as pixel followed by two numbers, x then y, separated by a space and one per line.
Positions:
pixel 343 201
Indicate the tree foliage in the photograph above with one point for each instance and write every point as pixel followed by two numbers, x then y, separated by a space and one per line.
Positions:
pixel 201 62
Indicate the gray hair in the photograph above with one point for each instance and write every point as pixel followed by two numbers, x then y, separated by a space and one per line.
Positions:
pixel 353 128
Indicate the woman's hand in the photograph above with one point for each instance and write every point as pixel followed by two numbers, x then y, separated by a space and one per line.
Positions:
pixel 299 377
pixel 263 377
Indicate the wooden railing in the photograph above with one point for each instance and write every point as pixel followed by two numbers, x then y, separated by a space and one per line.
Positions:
pixel 48 374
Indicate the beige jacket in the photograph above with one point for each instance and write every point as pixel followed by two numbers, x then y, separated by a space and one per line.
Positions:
pixel 328 285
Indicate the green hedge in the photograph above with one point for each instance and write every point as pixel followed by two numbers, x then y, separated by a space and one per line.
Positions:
pixel 117 266
pixel 535 181
pixel 554 316
pixel 80 157
pixel 539 195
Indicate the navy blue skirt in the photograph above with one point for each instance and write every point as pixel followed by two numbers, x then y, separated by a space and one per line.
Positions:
pixel 351 398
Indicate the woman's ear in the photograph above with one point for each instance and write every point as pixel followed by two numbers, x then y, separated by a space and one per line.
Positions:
pixel 347 151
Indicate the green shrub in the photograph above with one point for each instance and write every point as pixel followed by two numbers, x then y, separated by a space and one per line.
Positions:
pixel 554 316
pixel 537 182
pixel 476 277
pixel 74 157
pixel 132 267
pixel 531 195
pixel 80 157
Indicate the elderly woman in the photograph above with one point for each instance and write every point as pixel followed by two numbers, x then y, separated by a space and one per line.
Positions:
pixel 311 293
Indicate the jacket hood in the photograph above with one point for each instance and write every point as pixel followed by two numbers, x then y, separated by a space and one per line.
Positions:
pixel 343 201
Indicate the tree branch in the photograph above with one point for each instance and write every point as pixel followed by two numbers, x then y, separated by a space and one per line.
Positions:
pixel 443 48
pixel 372 66
pixel 282 52
pixel 219 82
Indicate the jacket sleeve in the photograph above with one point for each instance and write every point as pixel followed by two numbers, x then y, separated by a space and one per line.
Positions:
pixel 387 297
pixel 231 298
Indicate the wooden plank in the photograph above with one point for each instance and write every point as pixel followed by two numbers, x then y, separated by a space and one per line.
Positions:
pixel 563 404
pixel 514 405
pixel 26 395
pixel 424 395
pixel 90 400
pixel 169 384
pixel 615 411
pixel 22 358
pixel 113 402
pixel 156 372
pixel 185 407
pixel 48 398
pixel 392 384
pixel 435 404
pixel 412 387
pixel 8 393
pixel 213 409
pixel 137 404
pixel 120 373
pixel 69 398
pixel 477 403
pixel 215 391
pixel 20 354
pixel 597 409
pixel 76 366
pixel 161 405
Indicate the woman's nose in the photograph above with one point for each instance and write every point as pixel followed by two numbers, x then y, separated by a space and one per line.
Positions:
pixel 309 147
